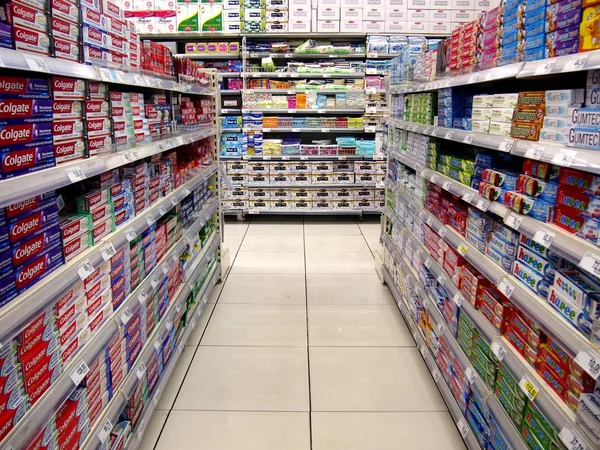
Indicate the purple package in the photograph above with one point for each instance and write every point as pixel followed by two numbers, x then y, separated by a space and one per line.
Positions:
pixel 18 136
pixel 24 110
pixel 33 247
pixel 32 225
pixel 43 206
pixel 27 206
pixel 5 258
pixel 567 48
pixel 557 21
pixel 37 270
pixel 6 39
pixel 8 287
pixel 19 87
pixel 562 35
pixel 52 254
pixel 562 7
pixel 19 162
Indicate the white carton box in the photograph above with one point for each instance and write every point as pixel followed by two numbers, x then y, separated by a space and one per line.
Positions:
pixel 231 15
pixel 272 15
pixel 278 26
pixel 327 3
pixel 253 14
pixel 300 14
pixel 395 26
pixel 462 15
pixel 374 13
pixel 371 3
pixel 328 26
pixel 399 4
pixel 418 15
pixel 293 4
pixel 419 4
pixel 298 25
pixel 417 27
pixel 231 27
pixel 439 15
pixel 440 4
pixel 484 5
pixel 462 4
pixel 231 4
pixel 313 19
pixel 455 25
pixel 166 23
pixel 145 24
pixel 328 13
pixel 351 14
pixel 440 27
pixel 373 26
pixel 351 26
pixel 396 14
pixel 351 3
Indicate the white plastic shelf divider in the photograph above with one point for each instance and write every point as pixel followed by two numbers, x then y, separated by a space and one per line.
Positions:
pixel 542 313
pixel 25 186
pixel 13 59
pixel 16 314
pixel 306 111
pixel 300 91
pixel 568 245
pixel 230 92
pixel 63 386
pixel 228 74
pixel 308 186
pixel 454 409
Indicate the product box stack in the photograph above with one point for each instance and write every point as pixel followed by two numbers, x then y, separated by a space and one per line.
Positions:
pixel 491 37
pixel 562 107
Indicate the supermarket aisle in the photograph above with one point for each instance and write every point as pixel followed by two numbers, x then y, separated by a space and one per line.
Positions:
pixel 249 380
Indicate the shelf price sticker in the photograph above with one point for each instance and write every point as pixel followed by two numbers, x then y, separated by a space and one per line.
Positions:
pixel 85 269
pixel 165 268
pixel 126 316
pixel 169 324
pixel 130 234
pixel 423 351
pixel 589 361
pixel 506 145
pixel 449 135
pixel 473 79
pixel 75 174
pixel 373 110
pixel 470 375
pixel 591 263
pixel 483 204
pixel 104 432
pixel 576 63
pixel 174 201
pixel 291 111
pixel 535 152
pixel 320 111
pixel 545 68
pixel 370 129
pixel 142 297
pixel 513 220
pixel 162 211
pixel 150 220
pixel 107 251
pixel 462 426
pixel 442 232
pixel 429 221
pixel 371 71
pixel 141 371
pixel 428 263
pixel 436 375
pixel 564 158
pixel 468 196
pixel 572 440
pixel 462 249
pixel 37 64
pixel 325 130
pixel 469 138
pixel 441 279
pixel 446 185
pixel 544 237
pixel 506 288
pixel 157 343
pixel 529 387
pixel 154 282
pixel 458 299
pixel 441 329
pixel 498 349
pixel 79 373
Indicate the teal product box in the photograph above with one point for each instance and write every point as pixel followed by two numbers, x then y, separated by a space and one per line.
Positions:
pixel 536 262
pixel 532 279
pixel 579 289
pixel 570 311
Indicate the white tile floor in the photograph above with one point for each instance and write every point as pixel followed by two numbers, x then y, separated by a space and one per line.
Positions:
pixel 301 348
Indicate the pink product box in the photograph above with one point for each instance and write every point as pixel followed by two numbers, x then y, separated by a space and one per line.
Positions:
pixel 67 109
pixel 68 50
pixel 74 226
pixel 69 151
pixel 63 29
pixel 70 129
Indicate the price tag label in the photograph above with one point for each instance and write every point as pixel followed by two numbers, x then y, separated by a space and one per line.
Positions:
pixel 423 351
pixel 36 64
pixel 544 237
pixel 575 63
pixel 85 269
pixel 174 201
pixel 469 138
pixel 157 343
pixel 470 375
pixel 446 185
pixel 150 220
pixel 436 375
pixel 513 220
pixel 373 110
pixel 107 251
pixel 591 263
pixel 187 192
pixel 572 440
pixel 441 328
pixel 378 156
pixel 342 158
pixel 304 158
pixel 462 249
pixel 433 178
pixel 434 132
pixel 441 279
pixel 295 130
pixel 428 263
pixel 545 68
pixel 442 232
pixel 285 158
pixel 489 76
pixel 483 204
pixel 291 111
pixel 506 288
pixel 506 145
pixel 142 297
pixel 141 371
pixel 126 316
pixel 79 373
pixel 105 431
pixel 529 387
pixel 154 282
pixel 429 221
pixel 564 158
pixel 130 234
pixel 463 428
pixel 169 324
pixel 253 211
pixel 589 361
pixel 162 211
pixel 165 268
pixel 473 79
pixel 333 56
pixel 266 158
pixel 75 174
pixel 141 430
pixel 449 135
pixel 498 349
pixel 468 197
pixel 458 299
pixel 535 152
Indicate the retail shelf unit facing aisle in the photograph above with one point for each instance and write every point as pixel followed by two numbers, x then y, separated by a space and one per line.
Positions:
pixel 494 235
pixel 108 259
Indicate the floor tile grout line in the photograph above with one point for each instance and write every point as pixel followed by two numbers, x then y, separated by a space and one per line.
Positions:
pixel 307 336
pixel 200 340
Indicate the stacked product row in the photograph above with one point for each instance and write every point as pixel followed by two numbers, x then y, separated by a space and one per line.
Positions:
pixel 35 358
pixel 566 289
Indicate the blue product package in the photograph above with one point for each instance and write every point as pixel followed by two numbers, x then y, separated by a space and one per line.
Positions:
pixel 532 279
pixel 538 27
pixel 536 262
pixel 534 41
pixel 500 260
pixel 513 14
pixel 505 233
pixel 511 37
pixel 542 211
pixel 584 137
pixel 534 54
pixel 484 160
pixel 534 15
pixel 534 4
pixel 475 241
pixel 503 247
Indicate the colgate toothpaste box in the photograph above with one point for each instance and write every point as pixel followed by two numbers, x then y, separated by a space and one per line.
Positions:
pixel 25 207
pixel 98 127
pixel 121 217
pixel 73 226
pixel 94 55
pixel 118 112
pixel 64 10
pixel 119 296
pixel 65 30
pixel 96 5
pixel 96 108
pixel 24 110
pixel 44 381
pixel 24 135
pixel 71 416
pixel 25 228
pixel 67 109
pixel 98 286
pixel 96 409
pixel 10 418
pixel 34 272
pixel 101 317
pixel 93 18
pixel 118 44
pixel 99 144
pixel 12 400
pixel 74 345
pixel 101 213
pixel 92 200
pixel 68 89
pixel 41 329
pixel 77 245
pixel 70 312
pixel 102 229
pixel 8 360
pixel 119 58
pixel 95 37
pixel 111 9
pixel 11 380
pixel 31 41
pixel 64 130
pixel 97 91
pixel 75 293
pixel 98 302
pixel 36 246
pixel 32 159
pixel 116 26
pixel 24 16
pixel 39 366
pixel 68 50
pixel 19 87
pixel 100 271
pixel 73 328
pixel 69 151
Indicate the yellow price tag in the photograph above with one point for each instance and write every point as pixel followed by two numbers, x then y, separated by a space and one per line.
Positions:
pixel 462 249
pixel 530 389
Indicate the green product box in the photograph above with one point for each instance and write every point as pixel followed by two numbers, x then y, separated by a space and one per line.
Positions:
pixel 541 428
pixel 463 165
pixel 482 343
pixel 515 414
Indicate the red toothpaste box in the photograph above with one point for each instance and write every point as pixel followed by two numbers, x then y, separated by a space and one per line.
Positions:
pixel 101 213
pixel 77 245
pixel 67 109
pixel 40 244
pixel 69 331
pixel 69 151
pixel 10 418
pixel 74 345
pixel 65 10
pixel 65 30
pixel 41 378
pixel 23 229
pixel 70 129
pixel 98 127
pixel 24 135
pixel 95 37
pixel 116 26
pixel 99 144
pixel 45 439
pixel 68 88
pixel 70 312
pixel 74 293
pixel 35 271
pixel 11 380
pixel 68 50
pixel 103 229
pixel 96 108
pixel 101 317
pixel 92 200
pixel 73 226
pixel 29 205
pixel 119 58
pixel 97 91
pixel 40 365
pixel 98 286
pixel 73 408
pixel 31 41
pixel 24 110
pixel 94 55
pixel 19 87
pixel 98 302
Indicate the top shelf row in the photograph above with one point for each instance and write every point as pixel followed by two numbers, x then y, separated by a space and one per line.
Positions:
pixel 543 67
